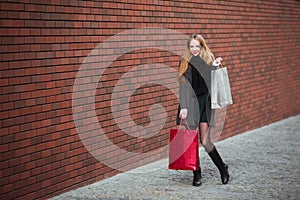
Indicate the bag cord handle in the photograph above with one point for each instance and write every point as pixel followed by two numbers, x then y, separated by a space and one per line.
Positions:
pixel 185 123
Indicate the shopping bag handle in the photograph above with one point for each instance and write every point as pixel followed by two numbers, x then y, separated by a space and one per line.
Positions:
pixel 185 123
pixel 221 66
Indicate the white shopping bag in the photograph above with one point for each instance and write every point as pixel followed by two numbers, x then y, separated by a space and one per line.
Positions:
pixel 220 88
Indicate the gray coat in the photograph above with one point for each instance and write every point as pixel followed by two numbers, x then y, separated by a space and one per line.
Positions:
pixel 188 98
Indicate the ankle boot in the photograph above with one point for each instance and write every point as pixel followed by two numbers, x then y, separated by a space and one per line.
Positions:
pixel 197 178
pixel 223 168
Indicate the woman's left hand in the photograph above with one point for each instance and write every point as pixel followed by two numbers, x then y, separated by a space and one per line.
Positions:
pixel 217 62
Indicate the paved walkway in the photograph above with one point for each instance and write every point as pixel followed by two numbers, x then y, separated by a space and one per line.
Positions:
pixel 263 164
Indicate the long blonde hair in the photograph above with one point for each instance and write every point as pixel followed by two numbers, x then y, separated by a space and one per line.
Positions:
pixel 205 54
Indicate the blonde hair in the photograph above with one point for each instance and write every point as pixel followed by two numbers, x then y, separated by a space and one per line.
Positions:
pixel 205 54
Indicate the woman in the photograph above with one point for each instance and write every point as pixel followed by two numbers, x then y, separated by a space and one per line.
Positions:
pixel 195 108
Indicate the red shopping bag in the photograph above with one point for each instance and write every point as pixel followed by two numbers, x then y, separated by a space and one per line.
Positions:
pixel 183 149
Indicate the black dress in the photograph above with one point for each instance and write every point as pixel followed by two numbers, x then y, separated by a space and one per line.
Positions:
pixel 201 91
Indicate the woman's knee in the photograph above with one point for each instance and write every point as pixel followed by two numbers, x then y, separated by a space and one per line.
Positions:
pixel 208 145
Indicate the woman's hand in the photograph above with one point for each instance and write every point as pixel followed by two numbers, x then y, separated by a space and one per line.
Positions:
pixel 183 113
pixel 217 62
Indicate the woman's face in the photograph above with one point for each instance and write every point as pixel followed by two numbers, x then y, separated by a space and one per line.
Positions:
pixel 195 47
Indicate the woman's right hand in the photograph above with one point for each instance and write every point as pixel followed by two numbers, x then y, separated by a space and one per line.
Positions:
pixel 183 113
pixel 217 62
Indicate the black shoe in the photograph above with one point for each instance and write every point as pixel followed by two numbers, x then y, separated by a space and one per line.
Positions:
pixel 223 168
pixel 225 174
pixel 197 178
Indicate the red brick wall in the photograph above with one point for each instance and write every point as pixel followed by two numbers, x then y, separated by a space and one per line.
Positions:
pixel 44 43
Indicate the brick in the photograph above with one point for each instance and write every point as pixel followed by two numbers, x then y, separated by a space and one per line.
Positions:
pixel 31 180
pixel 7 188
pixel 29 196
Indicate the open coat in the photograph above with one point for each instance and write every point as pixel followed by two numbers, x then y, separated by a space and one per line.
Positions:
pixel 188 98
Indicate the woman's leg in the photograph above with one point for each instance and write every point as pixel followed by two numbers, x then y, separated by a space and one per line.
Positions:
pixel 212 151
pixel 197 173
pixel 205 136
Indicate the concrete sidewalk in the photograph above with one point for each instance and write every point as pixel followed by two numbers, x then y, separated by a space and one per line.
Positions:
pixel 263 164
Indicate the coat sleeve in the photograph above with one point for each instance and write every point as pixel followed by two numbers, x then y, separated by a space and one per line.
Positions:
pixel 189 101
pixel 182 98
pixel 183 92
